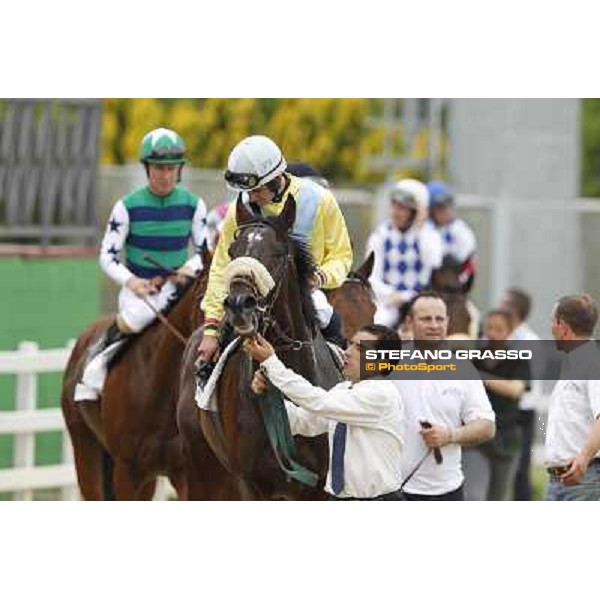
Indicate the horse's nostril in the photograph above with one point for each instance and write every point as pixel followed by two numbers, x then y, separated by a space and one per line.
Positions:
pixel 249 303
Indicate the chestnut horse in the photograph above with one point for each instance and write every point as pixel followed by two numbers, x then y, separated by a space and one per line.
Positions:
pixel 354 300
pixel 285 316
pixel 121 448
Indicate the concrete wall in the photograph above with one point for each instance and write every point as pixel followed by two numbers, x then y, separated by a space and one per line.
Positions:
pixel 524 155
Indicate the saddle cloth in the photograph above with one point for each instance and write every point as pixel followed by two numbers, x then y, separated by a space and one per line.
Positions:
pixel 206 398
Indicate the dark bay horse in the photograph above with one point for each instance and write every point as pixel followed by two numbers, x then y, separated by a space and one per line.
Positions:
pixel 121 448
pixel 446 282
pixel 354 300
pixel 285 316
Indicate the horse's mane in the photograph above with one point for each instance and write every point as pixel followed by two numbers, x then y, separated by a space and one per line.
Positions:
pixel 451 263
pixel 305 267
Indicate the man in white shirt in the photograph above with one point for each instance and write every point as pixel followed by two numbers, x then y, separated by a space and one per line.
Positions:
pixel 573 430
pixel 518 304
pixel 362 418
pixel 456 413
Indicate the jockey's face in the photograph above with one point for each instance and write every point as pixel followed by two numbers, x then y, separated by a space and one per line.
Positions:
pixel 265 194
pixel 442 215
pixel 162 179
pixel 352 355
pixel 428 319
pixel 402 216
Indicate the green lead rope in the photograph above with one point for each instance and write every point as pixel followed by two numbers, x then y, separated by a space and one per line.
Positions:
pixel 272 409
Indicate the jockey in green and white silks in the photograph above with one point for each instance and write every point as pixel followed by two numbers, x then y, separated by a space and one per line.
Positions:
pixel 152 227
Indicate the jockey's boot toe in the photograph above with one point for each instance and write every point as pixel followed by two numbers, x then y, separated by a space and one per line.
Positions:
pixel 333 332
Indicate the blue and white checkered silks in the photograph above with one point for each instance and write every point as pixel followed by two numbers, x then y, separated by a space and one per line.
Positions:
pixel 403 266
pixel 458 240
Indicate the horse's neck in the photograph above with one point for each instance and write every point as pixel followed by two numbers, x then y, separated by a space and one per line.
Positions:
pixel 289 315
pixel 181 316
pixel 313 361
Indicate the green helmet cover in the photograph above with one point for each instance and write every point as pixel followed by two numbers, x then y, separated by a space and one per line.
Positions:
pixel 162 146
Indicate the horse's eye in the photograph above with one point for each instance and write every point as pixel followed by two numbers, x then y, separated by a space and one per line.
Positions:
pixel 226 302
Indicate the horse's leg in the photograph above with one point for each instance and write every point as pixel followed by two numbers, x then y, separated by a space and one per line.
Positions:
pixel 180 484
pixel 88 453
pixel 131 485
pixel 248 491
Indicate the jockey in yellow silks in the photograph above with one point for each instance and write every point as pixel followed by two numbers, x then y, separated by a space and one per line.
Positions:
pixel 257 171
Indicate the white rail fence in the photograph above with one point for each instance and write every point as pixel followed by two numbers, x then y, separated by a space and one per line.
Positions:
pixel 25 477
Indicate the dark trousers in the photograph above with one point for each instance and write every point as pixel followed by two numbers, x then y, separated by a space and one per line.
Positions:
pixel 451 496
pixel 390 496
pixel 522 484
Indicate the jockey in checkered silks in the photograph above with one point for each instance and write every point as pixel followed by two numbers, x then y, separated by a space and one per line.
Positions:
pixel 407 249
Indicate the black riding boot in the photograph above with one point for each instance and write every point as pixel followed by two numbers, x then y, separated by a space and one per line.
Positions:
pixel 333 332
pixel 107 338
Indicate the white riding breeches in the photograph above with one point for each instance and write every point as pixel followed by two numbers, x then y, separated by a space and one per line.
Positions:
pixel 135 311
pixel 323 309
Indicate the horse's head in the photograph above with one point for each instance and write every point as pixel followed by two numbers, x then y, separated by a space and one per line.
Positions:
pixel 260 255
pixel 354 300
pixel 446 278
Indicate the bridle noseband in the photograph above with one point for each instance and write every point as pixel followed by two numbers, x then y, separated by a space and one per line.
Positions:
pixel 265 304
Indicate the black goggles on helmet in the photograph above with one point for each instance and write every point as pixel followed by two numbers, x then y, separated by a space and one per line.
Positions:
pixel 243 181
pixel 167 153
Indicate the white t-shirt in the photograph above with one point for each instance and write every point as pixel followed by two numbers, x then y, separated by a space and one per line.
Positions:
pixel 574 406
pixel 373 412
pixel 448 403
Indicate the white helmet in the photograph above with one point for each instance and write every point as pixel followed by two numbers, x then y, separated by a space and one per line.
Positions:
pixel 254 162
pixel 411 193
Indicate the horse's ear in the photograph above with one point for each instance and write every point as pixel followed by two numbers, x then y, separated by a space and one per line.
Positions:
pixel 287 218
pixel 365 270
pixel 242 214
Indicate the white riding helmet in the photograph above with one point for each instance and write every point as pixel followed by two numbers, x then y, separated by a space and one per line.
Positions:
pixel 255 161
pixel 411 193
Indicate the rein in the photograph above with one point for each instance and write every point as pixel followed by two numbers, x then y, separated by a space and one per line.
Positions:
pixel 166 323
pixel 265 307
